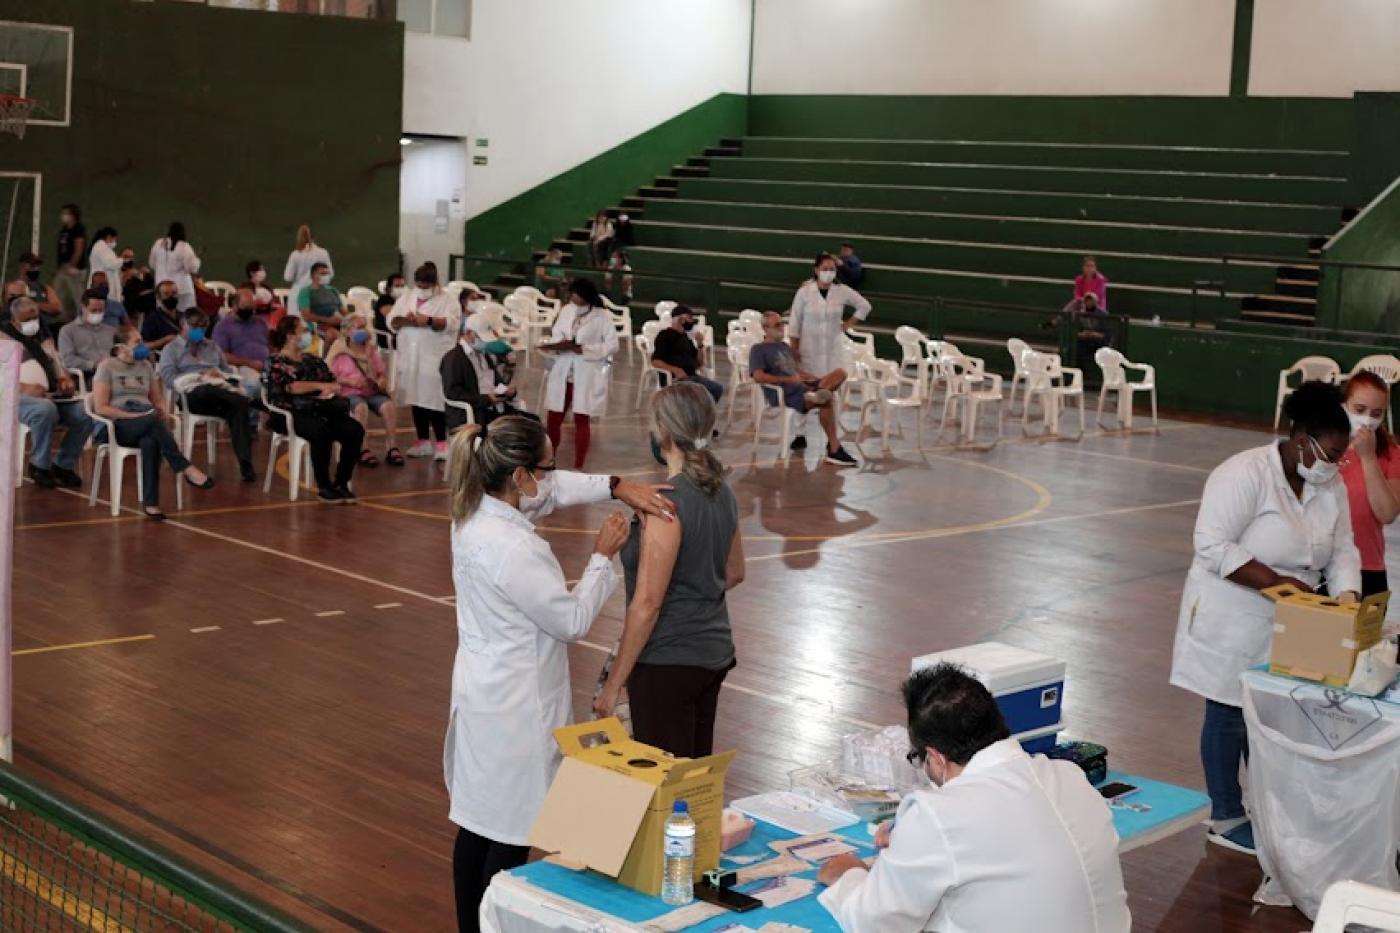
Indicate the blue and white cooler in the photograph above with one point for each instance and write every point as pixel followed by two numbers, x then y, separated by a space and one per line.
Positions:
pixel 1028 686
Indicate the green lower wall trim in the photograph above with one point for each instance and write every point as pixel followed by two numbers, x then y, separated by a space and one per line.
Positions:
pixel 184 112
pixel 1217 373
pixel 1262 122
pixel 1365 299
pixel 530 220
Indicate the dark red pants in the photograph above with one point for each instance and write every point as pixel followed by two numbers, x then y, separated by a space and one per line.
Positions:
pixel 583 431
pixel 673 707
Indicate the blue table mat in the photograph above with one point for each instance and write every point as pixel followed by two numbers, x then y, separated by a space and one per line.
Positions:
pixel 1168 802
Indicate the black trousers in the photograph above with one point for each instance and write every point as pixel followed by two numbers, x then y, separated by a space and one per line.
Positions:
pixel 156 442
pixel 232 406
pixel 673 707
pixel 1373 582
pixel 425 418
pixel 321 433
pixel 475 861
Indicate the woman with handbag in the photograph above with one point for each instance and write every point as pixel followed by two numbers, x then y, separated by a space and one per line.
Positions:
pixel 303 384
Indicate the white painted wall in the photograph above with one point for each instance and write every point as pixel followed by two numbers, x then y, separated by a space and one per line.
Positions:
pixel 1306 48
pixel 433 177
pixel 553 84
pixel 1069 47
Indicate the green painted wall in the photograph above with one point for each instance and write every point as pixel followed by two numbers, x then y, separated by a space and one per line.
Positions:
pixel 240 124
pixel 1365 299
pixel 530 220
pixel 1304 123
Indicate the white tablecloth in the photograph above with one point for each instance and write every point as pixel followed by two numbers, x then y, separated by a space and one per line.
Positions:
pixel 1324 788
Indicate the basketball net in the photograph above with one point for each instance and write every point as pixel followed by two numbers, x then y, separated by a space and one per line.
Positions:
pixel 10 454
pixel 14 114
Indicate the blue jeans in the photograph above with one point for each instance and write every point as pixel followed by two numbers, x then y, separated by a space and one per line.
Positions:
pixel 1223 747
pixel 41 416
pixel 714 388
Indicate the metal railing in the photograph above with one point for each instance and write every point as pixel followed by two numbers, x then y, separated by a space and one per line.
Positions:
pixel 62 867
pixel 1331 284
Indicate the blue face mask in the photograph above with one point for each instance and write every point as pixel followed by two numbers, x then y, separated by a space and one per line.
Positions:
pixel 304 341
pixel 478 345
pixel 196 334
pixel 361 337
pixel 140 352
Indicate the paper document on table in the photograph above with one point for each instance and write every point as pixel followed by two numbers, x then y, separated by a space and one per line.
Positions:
pixel 782 928
pixel 782 865
pixel 817 848
pixel 775 892
pixel 683 918
pixel 795 813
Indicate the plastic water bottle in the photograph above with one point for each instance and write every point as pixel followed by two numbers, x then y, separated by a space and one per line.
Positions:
pixel 678 873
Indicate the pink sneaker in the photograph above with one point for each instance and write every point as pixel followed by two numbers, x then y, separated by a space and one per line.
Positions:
pixel 440 452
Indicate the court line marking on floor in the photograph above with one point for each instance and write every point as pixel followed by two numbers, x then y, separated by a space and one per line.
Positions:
pixel 388 605
pixel 100 643
pixel 1144 461
pixel 205 628
pixel 330 612
pixel 268 621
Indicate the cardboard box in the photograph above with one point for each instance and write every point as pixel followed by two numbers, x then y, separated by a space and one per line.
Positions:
pixel 608 805
pixel 1318 638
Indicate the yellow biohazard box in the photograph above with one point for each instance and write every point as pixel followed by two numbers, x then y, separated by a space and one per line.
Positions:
pixel 608 805
pixel 1318 638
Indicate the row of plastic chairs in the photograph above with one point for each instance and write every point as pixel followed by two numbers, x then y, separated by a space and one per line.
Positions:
pixel 1326 369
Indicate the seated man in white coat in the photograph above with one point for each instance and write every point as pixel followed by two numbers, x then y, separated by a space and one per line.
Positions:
pixel 1002 842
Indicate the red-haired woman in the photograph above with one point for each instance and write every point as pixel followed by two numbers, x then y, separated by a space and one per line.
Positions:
pixel 1371 471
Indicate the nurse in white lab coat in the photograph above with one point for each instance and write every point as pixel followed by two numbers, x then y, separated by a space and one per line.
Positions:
pixel 104 259
pixel 1003 842
pixel 515 617
pixel 426 321
pixel 299 263
pixel 817 321
pixel 583 343
pixel 1271 515
pixel 173 260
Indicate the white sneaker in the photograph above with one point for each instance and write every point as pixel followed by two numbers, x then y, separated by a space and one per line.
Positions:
pixel 440 452
pixel 420 450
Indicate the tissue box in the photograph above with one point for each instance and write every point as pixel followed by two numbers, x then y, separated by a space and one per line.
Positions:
pixel 1318 638
pixel 1028 686
pixel 735 829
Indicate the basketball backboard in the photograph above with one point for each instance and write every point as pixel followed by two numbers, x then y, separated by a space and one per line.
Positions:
pixel 36 60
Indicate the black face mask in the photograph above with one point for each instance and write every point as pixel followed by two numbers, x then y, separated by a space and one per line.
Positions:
pixel 32 275
pixel 244 313
pixel 688 325
pixel 170 303
pixel 656 450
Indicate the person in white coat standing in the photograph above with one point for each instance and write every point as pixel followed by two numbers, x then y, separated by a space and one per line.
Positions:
pixel 426 321
pixel 515 617
pixel 1002 842
pixel 299 262
pixel 104 259
pixel 1270 515
pixel 173 260
pixel 817 321
pixel 583 343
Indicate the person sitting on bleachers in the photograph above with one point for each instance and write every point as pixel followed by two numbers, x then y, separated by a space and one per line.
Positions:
pixel 46 399
pixel 549 277
pixel 1091 281
pixel 320 304
pixel 850 271
pixel 358 367
pixel 771 363
pixel 676 354
pixel 618 281
pixel 193 364
pixel 88 340
pixel 479 371
pixel 125 389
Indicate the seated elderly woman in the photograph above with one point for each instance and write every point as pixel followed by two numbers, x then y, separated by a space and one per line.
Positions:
pixel 358 367
pixel 126 390
pixel 302 383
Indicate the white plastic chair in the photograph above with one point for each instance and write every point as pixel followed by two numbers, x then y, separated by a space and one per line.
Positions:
pixel 739 378
pixel 971 387
pixel 650 376
pixel 622 323
pixel 462 285
pixel 896 392
pixel 360 293
pixel 663 310
pixel 913 345
pixel 464 407
pixel 533 325
pixel 1115 379
pixel 1385 366
pixel 284 296
pixel 223 290
pixel 298 452
pixel 784 414
pixel 1018 349
pixel 116 455
pixel 1351 902
pixel 19 454
pixel 1311 369
pixel 1055 384
pixel 187 421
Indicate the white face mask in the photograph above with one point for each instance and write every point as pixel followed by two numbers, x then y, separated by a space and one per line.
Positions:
pixel 396 291
pixel 477 306
pixel 93 317
pixel 1362 421
pixel 326 277
pixel 544 488
pixel 422 294
pixel 29 328
pixel 1321 472
pixel 826 276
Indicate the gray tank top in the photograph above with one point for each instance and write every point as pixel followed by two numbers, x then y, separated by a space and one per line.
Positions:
pixel 692 629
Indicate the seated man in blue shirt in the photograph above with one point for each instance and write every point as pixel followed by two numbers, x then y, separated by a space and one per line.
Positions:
pixel 771 364
pixel 193 365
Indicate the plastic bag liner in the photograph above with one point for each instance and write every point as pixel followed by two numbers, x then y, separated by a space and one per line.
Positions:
pixel 1324 789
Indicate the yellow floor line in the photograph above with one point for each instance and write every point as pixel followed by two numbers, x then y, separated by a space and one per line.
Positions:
pixel 58 897
pixel 82 644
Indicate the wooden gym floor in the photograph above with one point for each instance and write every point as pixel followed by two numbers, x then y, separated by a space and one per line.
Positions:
pixel 262 686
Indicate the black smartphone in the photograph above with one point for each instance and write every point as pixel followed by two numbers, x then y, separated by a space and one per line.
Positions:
pixel 1117 790
pixel 728 898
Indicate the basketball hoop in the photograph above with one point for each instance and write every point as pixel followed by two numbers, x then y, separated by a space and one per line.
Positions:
pixel 14 113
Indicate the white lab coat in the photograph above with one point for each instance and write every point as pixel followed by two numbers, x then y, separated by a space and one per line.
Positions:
pixel 510 681
pixel 816 322
pixel 105 259
pixel 419 350
pixel 588 371
pixel 298 271
pixel 1249 512
pixel 179 265
pixel 1014 843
